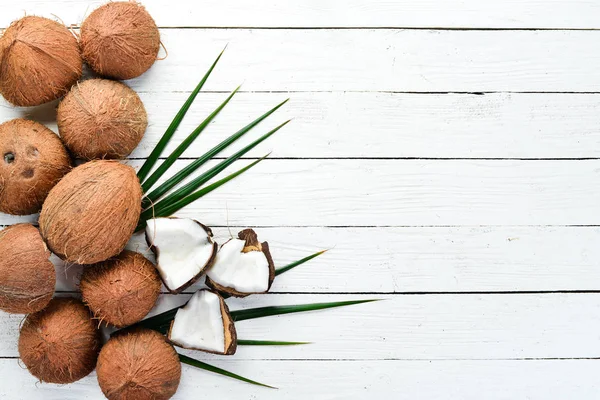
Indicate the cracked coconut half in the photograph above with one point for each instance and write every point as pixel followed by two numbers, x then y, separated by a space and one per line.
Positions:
pixel 243 266
pixel 184 250
pixel 205 324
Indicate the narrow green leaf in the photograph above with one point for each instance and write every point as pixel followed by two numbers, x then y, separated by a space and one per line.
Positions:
pixel 189 188
pixel 241 342
pixel 281 270
pixel 252 313
pixel 152 179
pixel 202 365
pixel 164 140
pixel 174 207
pixel 185 172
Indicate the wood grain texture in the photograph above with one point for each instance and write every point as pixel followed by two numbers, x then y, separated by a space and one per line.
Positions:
pixel 340 13
pixel 325 125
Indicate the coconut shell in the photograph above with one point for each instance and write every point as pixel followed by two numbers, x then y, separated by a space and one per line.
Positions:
pixel 252 244
pixel 122 290
pixel 33 160
pixel 39 61
pixel 60 344
pixel 138 364
pixel 120 40
pixel 90 215
pixel 99 118
pixel 27 277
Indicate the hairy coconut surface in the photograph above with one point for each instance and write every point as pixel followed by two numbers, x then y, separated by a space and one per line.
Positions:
pixel 90 215
pixel 60 344
pixel 33 160
pixel 120 40
pixel 100 118
pixel 27 277
pixel 138 364
pixel 39 61
pixel 121 290
pixel 205 324
pixel 243 266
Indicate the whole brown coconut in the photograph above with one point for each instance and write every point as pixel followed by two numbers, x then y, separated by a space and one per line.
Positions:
pixel 60 344
pixel 90 215
pixel 39 61
pixel 138 364
pixel 33 160
pixel 121 290
pixel 27 277
pixel 120 40
pixel 101 119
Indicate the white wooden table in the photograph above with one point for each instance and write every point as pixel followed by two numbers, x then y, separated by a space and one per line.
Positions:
pixel 448 152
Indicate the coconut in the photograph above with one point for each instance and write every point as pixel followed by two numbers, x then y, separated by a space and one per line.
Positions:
pixel 184 250
pixel 60 344
pixel 39 61
pixel 121 290
pixel 138 364
pixel 120 40
pixel 205 324
pixel 33 160
pixel 99 118
pixel 243 266
pixel 90 215
pixel 27 277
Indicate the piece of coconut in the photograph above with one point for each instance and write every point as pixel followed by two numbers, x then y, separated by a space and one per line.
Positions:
pixel 243 266
pixel 138 364
pixel 184 249
pixel 60 344
pixel 205 324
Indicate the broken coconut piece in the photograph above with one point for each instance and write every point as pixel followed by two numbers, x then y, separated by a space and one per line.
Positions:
pixel 205 324
pixel 184 249
pixel 243 266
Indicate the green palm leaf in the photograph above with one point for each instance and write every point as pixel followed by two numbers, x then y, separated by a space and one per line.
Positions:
pixel 164 140
pixel 288 267
pixel 242 342
pixel 207 367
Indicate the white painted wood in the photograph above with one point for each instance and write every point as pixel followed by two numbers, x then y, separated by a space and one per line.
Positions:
pixel 355 380
pixel 497 125
pixel 493 326
pixel 339 13
pixel 401 193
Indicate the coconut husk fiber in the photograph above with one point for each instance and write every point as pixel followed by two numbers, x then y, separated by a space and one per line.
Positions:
pixel 138 364
pixel 60 344
pixel 122 290
pixel 27 277
pixel 39 61
pixel 100 118
pixel 120 40
pixel 90 215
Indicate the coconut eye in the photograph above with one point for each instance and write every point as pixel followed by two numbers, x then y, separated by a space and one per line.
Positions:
pixel 9 158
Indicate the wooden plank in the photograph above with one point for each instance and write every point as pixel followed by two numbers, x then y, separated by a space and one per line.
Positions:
pixel 373 125
pixel 442 327
pixel 458 380
pixel 340 13
pixel 401 193
pixel 421 259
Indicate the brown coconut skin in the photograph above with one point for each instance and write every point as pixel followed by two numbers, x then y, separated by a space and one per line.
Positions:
pixel 90 215
pixel 60 344
pixel 252 244
pixel 120 40
pixel 27 277
pixel 121 290
pixel 137 365
pixel 33 160
pixel 39 61
pixel 101 119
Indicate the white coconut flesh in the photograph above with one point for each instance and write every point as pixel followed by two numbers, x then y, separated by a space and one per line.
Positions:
pixel 199 324
pixel 183 249
pixel 243 272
